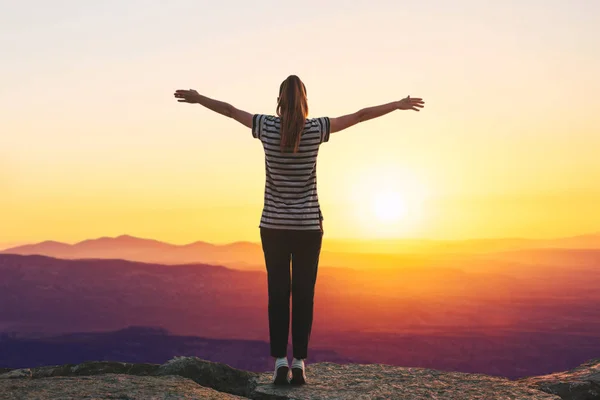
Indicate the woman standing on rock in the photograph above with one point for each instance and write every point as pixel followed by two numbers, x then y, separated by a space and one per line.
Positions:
pixel 291 226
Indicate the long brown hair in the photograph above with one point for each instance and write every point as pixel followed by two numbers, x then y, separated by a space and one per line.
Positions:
pixel 292 108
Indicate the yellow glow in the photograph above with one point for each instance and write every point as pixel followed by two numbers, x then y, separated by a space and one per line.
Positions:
pixel 386 201
pixel 388 206
pixel 479 161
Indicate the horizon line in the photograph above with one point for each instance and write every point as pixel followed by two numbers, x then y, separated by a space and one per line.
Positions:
pixel 12 246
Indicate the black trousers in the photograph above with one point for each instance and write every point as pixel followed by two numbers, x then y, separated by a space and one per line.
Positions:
pixel 302 248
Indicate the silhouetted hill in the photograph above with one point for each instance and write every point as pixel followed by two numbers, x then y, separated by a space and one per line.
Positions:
pixel 468 315
pixel 145 250
pixel 40 293
pixel 246 255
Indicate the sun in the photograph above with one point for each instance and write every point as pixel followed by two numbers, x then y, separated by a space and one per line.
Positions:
pixel 388 206
pixel 388 201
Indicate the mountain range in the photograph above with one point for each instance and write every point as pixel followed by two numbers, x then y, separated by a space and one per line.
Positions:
pixel 355 254
pixel 475 314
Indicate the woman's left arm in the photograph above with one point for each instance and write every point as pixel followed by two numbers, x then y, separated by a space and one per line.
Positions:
pixel 226 109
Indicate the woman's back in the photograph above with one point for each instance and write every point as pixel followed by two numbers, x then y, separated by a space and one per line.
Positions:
pixel 291 228
pixel 290 199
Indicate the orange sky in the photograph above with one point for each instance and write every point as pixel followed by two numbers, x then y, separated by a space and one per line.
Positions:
pixel 93 143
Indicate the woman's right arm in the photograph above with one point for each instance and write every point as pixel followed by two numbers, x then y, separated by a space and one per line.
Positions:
pixel 346 121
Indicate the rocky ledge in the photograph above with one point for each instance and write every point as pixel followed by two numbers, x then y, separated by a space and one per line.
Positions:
pixel 581 383
pixel 193 378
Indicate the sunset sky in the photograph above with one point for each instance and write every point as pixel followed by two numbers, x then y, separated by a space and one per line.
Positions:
pixel 93 144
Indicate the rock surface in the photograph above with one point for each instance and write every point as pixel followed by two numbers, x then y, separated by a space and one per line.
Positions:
pixel 218 376
pixel 375 381
pixel 193 378
pixel 108 386
pixel 94 368
pixel 581 383
pixel 17 373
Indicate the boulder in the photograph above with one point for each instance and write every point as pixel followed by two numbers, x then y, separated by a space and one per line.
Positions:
pixel 581 383
pixel 16 373
pixel 218 376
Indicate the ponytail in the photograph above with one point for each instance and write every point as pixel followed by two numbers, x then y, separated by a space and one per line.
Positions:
pixel 292 108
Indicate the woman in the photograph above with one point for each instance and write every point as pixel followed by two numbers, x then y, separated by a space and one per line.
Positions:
pixel 291 226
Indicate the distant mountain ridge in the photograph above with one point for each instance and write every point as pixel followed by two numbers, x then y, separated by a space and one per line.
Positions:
pixel 132 248
pixel 247 254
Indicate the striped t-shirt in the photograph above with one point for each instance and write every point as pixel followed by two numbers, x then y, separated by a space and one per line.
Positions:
pixel 291 200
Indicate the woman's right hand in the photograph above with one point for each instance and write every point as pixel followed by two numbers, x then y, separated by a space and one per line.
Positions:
pixel 411 103
pixel 187 96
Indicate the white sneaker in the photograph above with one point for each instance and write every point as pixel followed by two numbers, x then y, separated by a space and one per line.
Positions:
pixel 282 371
pixel 298 374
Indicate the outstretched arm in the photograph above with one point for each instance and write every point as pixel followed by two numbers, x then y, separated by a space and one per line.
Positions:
pixel 226 109
pixel 346 121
